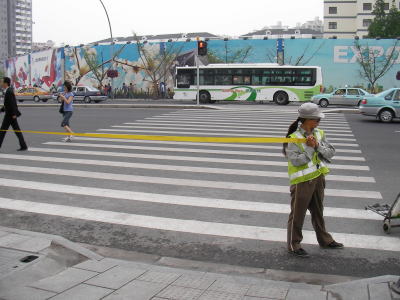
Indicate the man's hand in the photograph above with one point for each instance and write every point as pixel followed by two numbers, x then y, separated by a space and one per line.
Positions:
pixel 14 116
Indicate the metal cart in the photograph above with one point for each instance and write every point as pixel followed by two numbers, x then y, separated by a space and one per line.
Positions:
pixel 388 212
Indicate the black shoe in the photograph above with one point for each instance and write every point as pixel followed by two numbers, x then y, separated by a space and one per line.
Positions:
pixel 300 253
pixel 334 245
pixel 23 149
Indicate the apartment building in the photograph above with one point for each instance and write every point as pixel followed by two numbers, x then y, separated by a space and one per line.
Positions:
pixel 349 18
pixel 15 28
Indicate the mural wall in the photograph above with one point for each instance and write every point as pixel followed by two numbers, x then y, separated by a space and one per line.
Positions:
pixel 88 65
pixel 47 68
pixel 18 70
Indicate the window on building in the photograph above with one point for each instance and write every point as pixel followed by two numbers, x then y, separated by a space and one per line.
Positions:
pixel 387 6
pixel 332 25
pixel 367 6
pixel 333 10
pixel 367 22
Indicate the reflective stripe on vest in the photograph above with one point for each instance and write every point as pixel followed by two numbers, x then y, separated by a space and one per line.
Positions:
pixel 305 172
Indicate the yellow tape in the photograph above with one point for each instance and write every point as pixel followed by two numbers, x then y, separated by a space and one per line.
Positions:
pixel 247 140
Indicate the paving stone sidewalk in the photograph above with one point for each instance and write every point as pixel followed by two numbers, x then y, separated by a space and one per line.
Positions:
pixel 113 279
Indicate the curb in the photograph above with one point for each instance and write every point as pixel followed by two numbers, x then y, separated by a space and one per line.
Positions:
pixel 184 106
pixel 58 240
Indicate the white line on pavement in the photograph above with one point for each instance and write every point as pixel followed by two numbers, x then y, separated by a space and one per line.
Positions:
pixel 212 128
pixel 244 146
pixel 188 158
pixel 157 130
pixel 233 126
pixel 238 123
pixel 382 243
pixel 188 150
pixel 253 187
pixel 177 168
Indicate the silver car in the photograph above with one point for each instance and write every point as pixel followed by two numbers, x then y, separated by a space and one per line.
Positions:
pixel 342 96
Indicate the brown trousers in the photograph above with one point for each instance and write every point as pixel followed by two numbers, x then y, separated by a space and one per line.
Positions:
pixel 307 195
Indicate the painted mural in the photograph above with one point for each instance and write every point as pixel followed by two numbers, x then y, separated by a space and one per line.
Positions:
pixel 46 68
pixel 142 67
pixel 18 70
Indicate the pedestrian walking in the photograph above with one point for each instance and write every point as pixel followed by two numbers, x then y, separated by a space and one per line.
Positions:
pixel 307 169
pixel 131 90
pixel 11 113
pixel 67 109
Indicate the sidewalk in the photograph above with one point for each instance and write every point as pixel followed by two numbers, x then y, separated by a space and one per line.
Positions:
pixel 55 268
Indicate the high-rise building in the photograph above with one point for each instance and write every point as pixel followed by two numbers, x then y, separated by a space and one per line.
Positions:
pixel 15 27
pixel 347 19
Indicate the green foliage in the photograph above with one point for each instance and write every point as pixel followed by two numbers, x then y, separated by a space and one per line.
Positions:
pixel 385 25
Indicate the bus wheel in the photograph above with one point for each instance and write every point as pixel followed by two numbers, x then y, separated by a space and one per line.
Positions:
pixel 205 97
pixel 281 98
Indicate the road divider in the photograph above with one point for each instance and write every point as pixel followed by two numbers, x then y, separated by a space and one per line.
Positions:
pixel 202 139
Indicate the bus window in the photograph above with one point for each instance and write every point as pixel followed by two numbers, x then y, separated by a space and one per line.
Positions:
pixel 247 80
pixel 185 78
pixel 206 80
pixel 257 80
pixel 223 80
pixel 237 80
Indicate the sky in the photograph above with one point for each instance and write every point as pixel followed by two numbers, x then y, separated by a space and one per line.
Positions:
pixel 84 21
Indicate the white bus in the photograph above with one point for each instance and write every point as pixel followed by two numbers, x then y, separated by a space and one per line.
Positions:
pixel 249 82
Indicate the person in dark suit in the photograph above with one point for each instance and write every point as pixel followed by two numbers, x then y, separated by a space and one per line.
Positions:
pixel 11 111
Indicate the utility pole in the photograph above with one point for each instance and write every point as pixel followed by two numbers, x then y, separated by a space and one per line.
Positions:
pixel 112 46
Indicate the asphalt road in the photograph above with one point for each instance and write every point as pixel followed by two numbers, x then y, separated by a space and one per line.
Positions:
pixel 199 201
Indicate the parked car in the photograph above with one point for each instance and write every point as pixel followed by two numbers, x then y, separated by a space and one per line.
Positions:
pixel 86 94
pixel 33 93
pixel 385 106
pixel 342 96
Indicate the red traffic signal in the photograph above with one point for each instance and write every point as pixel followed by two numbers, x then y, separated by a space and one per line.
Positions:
pixel 202 48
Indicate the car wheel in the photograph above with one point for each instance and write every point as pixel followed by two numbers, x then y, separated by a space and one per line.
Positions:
pixel 36 99
pixel 87 99
pixel 281 98
pixel 385 116
pixel 204 97
pixel 323 103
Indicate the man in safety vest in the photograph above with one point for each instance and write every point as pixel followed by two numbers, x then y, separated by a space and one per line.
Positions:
pixel 307 169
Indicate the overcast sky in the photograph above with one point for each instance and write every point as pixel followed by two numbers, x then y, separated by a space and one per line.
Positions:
pixel 84 21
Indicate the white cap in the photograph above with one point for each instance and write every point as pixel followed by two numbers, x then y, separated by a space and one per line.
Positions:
pixel 310 111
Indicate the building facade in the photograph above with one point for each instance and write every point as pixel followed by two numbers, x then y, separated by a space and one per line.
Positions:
pixel 15 28
pixel 349 18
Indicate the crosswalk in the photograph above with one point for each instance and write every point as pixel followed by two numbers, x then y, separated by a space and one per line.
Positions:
pixel 197 188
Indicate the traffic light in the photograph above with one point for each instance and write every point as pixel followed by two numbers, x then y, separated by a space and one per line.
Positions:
pixel 202 48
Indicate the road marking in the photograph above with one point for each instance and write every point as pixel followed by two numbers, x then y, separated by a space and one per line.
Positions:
pixel 241 113
pixel 189 158
pixel 207 130
pixel 177 168
pixel 253 187
pixel 251 146
pixel 240 128
pixel 218 123
pixel 277 121
pixel 334 212
pixel 187 150
pixel 382 243
pixel 209 133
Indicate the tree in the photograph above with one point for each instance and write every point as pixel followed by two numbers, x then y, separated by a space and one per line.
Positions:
pixel 384 25
pixel 157 63
pixel 374 62
pixel 228 55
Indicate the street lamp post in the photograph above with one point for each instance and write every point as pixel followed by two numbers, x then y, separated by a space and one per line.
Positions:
pixel 112 45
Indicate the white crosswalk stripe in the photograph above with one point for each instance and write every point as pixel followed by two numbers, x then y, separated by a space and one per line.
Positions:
pixel 220 177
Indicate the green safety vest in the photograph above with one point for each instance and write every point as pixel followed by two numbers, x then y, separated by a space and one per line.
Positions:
pixel 311 170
